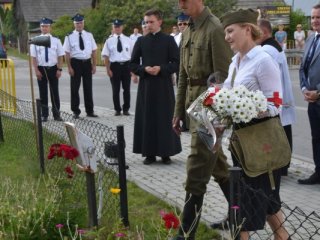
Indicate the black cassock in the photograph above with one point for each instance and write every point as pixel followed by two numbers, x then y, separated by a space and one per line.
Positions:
pixel 153 133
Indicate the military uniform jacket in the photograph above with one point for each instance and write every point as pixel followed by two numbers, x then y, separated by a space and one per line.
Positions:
pixel 203 51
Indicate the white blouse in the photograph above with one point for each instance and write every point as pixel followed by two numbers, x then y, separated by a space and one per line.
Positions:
pixel 256 71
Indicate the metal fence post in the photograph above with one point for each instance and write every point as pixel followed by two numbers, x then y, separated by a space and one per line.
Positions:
pixel 122 176
pixel 235 204
pixel 1 129
pixel 92 200
pixel 40 136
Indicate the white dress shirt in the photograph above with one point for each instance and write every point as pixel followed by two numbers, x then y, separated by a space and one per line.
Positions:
pixel 54 52
pixel 177 38
pixel 110 49
pixel 134 37
pixel 256 71
pixel 71 45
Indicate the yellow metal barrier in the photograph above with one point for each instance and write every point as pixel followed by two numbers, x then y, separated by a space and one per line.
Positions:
pixel 8 85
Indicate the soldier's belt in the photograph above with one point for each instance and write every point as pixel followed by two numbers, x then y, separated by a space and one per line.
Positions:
pixel 197 82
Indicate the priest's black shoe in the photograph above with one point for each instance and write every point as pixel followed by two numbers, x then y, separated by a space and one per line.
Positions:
pixel 92 115
pixel 166 160
pixel 117 113
pixel 58 118
pixel 76 116
pixel 149 160
pixel 126 113
pixel 313 179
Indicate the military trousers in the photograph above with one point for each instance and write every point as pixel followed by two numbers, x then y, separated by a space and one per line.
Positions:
pixel 202 164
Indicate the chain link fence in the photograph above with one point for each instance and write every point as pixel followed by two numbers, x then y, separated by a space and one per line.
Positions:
pixel 75 190
pixel 298 224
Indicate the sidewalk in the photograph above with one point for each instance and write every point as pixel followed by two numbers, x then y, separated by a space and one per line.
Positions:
pixel 166 181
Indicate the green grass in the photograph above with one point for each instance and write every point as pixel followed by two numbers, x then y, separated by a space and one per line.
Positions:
pixel 19 163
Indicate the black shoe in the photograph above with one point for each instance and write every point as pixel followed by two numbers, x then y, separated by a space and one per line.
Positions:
pixel 44 119
pixel 76 116
pixel 222 225
pixel 284 173
pixel 117 113
pixel 149 160
pixel 126 113
pixel 313 179
pixel 59 119
pixel 92 115
pixel 166 160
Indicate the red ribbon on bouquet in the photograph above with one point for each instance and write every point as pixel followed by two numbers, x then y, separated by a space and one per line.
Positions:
pixel 208 101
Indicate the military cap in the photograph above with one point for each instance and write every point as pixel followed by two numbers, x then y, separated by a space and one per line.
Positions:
pixel 78 18
pixel 117 22
pixel 45 21
pixel 240 16
pixel 182 17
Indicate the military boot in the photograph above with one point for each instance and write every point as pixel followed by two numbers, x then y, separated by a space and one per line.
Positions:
pixel 191 217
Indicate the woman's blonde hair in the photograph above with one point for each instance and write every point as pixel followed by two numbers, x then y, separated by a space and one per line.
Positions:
pixel 255 30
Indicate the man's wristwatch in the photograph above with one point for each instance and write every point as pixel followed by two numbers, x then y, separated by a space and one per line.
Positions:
pixel 59 69
pixel 318 93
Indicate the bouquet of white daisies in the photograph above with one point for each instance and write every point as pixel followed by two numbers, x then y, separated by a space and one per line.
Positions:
pixel 217 109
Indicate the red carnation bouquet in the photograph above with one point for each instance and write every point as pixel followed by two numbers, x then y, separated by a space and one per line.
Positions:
pixel 66 152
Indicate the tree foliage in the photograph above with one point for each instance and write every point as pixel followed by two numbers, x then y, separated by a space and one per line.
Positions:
pixel 297 17
pixel 99 19
pixel 219 7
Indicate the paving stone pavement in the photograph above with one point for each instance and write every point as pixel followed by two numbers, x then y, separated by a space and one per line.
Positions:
pixel 166 181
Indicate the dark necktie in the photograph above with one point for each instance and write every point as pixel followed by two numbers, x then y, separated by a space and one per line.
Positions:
pixel 46 54
pixel 119 45
pixel 310 55
pixel 81 41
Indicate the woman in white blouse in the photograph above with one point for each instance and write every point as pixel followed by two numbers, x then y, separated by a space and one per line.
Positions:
pixel 256 70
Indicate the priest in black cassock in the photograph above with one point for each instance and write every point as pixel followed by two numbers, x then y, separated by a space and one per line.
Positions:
pixel 153 134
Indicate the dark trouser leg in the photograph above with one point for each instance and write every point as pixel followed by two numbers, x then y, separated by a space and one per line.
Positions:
pixel 75 82
pixel 126 81
pixel 87 87
pixel 191 217
pixel 54 92
pixel 314 119
pixel 43 92
pixel 288 131
pixel 115 82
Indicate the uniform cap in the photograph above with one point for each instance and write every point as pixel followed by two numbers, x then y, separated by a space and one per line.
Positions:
pixel 182 17
pixel 45 21
pixel 240 16
pixel 117 22
pixel 78 18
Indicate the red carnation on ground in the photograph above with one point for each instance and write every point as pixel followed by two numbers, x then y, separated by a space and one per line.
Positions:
pixel 170 221
pixel 64 151
pixel 69 171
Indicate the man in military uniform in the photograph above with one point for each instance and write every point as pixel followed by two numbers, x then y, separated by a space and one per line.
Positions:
pixel 47 63
pixel 81 58
pixel 203 52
